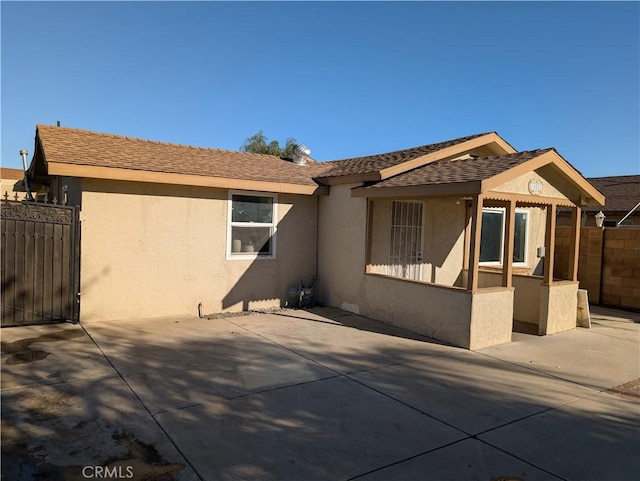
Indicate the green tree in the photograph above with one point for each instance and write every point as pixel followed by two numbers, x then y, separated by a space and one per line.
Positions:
pixel 259 144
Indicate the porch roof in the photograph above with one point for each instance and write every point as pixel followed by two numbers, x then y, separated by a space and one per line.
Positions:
pixel 382 166
pixel 473 176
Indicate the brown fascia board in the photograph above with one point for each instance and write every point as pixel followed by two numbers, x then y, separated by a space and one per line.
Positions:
pixel 112 173
pixel 447 152
pixel 349 179
pixel 591 195
pixel 11 174
pixel 504 148
pixel 453 188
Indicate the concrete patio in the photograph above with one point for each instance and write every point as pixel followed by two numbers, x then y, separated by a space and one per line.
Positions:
pixel 318 394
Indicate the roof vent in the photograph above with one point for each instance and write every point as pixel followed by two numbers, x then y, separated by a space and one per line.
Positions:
pixel 466 157
pixel 300 154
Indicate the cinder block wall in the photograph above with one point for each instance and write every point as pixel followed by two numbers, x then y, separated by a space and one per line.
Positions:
pixel 616 266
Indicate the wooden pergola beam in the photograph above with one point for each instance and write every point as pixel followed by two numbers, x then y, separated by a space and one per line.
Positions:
pixel 507 255
pixel 574 246
pixel 549 244
pixel 474 246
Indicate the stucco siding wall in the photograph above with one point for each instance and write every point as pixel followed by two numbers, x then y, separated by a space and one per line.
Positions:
pixel 6 187
pixel 527 294
pixel 436 311
pixel 443 234
pixel 444 241
pixel 491 317
pixel 341 247
pixel 520 185
pixel 381 236
pixel 154 250
pixel 433 311
pixel 558 307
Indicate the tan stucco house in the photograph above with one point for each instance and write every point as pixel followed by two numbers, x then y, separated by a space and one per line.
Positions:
pixel 453 240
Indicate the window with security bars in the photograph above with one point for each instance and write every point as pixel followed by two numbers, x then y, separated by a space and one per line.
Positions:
pixel 405 246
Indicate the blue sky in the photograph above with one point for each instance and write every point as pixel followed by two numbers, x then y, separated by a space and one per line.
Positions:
pixel 346 79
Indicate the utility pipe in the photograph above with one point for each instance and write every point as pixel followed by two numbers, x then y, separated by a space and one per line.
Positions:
pixel 23 154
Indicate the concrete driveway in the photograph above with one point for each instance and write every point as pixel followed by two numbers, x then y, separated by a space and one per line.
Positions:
pixel 318 394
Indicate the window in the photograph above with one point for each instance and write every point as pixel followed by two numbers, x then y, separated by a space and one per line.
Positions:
pixel 252 225
pixel 492 236
pixel 405 245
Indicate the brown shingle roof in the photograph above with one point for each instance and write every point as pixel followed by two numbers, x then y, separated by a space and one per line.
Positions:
pixel 462 170
pixel 375 163
pixel 622 192
pixel 82 147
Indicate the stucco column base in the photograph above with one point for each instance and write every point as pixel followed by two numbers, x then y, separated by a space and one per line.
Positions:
pixel 491 317
pixel 558 307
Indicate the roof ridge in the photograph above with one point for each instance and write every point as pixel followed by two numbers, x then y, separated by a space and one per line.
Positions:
pixel 148 141
pixel 379 154
pixel 520 152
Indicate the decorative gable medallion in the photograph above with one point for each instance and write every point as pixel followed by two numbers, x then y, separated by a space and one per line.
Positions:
pixel 535 187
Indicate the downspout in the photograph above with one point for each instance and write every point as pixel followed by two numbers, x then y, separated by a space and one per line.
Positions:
pixel 27 186
pixel 315 252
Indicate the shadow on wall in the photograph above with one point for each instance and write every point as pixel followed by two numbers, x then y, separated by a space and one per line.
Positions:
pixel 266 282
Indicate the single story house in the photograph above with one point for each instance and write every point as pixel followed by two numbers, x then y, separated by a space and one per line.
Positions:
pixel 453 240
pixel 8 179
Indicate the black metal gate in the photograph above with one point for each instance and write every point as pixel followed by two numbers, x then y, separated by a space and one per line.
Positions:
pixel 40 263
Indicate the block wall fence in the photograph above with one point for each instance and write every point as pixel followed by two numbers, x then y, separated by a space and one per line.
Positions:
pixel 608 266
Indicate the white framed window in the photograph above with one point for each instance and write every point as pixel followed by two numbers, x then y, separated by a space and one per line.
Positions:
pixel 251 225
pixel 492 236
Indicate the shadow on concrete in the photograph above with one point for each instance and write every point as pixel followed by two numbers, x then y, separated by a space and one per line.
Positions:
pixel 264 401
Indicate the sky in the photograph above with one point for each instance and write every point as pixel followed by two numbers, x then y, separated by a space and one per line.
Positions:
pixel 344 78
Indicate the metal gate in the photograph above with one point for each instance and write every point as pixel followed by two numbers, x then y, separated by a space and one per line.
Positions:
pixel 40 263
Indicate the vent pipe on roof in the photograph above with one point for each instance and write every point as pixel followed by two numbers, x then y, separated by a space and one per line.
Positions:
pixel 300 154
pixel 23 154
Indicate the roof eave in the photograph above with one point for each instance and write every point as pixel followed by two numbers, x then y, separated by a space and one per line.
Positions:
pixel 112 173
pixel 427 190
pixel 589 195
pixel 491 138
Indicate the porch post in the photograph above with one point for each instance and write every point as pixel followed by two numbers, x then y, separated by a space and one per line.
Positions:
pixel 574 246
pixel 474 245
pixel 369 233
pixel 507 254
pixel 549 244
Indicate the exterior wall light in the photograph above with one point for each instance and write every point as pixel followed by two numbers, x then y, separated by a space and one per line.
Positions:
pixel 599 219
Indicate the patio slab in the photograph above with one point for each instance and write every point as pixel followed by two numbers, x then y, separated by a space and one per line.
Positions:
pixel 341 341
pixel 183 361
pixel 472 392
pixel 591 357
pixel 330 429
pixel 315 395
pixel 66 431
pixel 468 460
pixel 615 323
pixel 595 438
pixel 32 355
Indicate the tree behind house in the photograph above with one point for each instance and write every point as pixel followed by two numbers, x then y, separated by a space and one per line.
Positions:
pixel 258 144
